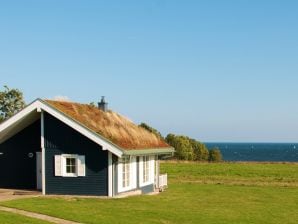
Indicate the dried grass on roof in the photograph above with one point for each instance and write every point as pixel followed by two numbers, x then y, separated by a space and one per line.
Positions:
pixel 118 129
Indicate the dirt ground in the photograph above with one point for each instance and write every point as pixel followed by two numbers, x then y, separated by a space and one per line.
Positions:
pixel 11 194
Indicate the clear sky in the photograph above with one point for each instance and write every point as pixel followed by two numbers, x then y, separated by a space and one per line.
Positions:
pixel 213 70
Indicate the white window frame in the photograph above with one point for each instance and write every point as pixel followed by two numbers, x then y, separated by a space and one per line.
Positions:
pixel 132 174
pixel 151 170
pixel 146 169
pixel 125 172
pixel 64 166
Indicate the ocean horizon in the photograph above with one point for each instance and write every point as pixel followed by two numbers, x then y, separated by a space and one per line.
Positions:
pixel 257 151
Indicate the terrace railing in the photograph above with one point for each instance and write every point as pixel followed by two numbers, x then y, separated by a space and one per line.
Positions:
pixel 162 182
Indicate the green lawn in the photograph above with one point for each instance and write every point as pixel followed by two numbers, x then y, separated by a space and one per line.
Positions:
pixel 198 193
pixel 8 218
pixel 250 174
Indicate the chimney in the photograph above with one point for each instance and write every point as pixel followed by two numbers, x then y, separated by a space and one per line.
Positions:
pixel 103 105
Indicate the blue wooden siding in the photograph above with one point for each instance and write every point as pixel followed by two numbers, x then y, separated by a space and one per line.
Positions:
pixel 17 169
pixel 61 139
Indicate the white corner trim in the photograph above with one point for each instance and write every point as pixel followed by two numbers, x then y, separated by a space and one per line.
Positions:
pixel 43 160
pixel 40 105
pixel 110 175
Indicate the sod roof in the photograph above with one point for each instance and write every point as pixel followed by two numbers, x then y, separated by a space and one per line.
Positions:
pixel 110 125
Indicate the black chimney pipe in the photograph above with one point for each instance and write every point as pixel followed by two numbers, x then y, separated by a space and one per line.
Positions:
pixel 103 105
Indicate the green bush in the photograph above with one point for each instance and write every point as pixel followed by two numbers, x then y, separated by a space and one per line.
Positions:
pixel 182 145
pixel 215 155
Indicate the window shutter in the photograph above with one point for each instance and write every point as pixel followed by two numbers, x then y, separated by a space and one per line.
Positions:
pixel 58 165
pixel 81 166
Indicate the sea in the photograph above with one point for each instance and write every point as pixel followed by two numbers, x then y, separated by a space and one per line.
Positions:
pixel 259 152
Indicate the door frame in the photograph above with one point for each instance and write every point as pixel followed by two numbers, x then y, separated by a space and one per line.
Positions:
pixel 38 170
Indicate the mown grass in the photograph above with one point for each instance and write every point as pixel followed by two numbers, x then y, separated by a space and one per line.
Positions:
pixel 250 174
pixel 190 200
pixel 9 218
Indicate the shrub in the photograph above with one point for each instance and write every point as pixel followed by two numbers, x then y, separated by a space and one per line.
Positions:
pixel 215 155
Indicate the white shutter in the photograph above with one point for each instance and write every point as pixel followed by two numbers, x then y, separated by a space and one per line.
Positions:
pixel 81 166
pixel 58 165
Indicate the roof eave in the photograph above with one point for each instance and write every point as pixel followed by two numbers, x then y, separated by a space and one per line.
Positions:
pixel 151 151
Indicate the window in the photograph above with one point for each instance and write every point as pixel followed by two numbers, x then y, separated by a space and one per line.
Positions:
pixel 126 173
pixel 146 169
pixel 70 165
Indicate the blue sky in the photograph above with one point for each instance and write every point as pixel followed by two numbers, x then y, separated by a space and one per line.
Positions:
pixel 213 70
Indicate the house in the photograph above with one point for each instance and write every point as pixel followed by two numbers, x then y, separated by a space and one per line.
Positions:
pixel 68 148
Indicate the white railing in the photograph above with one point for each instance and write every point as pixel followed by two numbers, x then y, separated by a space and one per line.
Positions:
pixel 163 181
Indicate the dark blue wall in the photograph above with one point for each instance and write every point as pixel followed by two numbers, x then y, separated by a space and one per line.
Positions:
pixel 61 139
pixel 17 170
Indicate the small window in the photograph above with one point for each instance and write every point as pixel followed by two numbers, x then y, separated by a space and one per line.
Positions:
pixel 126 173
pixel 146 169
pixel 71 165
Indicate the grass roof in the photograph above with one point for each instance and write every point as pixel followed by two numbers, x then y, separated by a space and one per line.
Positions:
pixel 114 127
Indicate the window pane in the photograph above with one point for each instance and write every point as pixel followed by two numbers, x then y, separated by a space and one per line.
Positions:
pixel 70 165
pixel 126 172
pixel 145 169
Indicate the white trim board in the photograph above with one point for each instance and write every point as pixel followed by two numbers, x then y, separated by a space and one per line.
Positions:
pixel 40 105
pixel 110 174
pixel 43 157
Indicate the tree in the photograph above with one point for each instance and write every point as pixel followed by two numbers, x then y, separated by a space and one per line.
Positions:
pixel 201 152
pixel 11 101
pixel 151 129
pixel 182 145
pixel 215 155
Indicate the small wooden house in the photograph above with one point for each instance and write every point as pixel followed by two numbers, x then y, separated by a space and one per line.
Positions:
pixel 76 149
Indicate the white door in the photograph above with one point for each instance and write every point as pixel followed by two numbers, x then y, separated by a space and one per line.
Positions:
pixel 38 171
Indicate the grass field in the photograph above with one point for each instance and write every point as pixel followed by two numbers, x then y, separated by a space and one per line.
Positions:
pixel 8 218
pixel 248 174
pixel 198 193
